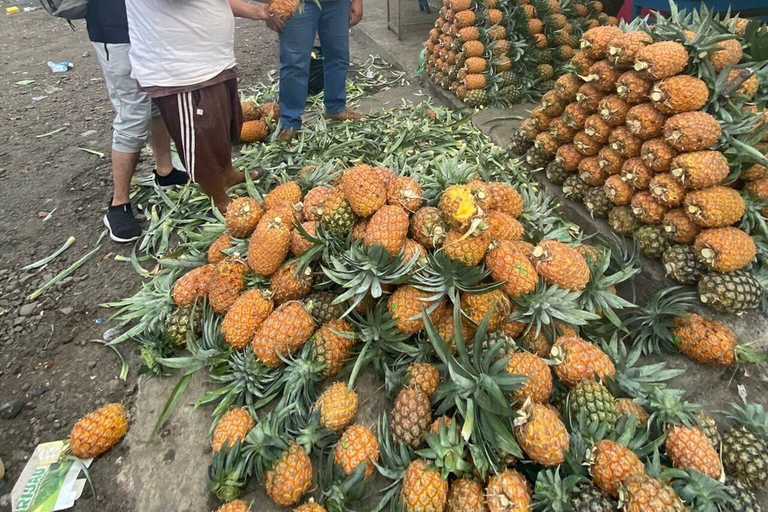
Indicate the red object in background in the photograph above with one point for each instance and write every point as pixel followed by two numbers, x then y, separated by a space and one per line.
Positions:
pixel 625 13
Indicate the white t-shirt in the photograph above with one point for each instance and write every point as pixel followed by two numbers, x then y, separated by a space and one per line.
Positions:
pixel 180 42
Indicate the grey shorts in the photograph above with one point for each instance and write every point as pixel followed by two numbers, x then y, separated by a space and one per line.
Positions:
pixel 134 108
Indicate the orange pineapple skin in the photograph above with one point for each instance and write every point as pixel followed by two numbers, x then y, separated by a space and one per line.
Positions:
pixel 662 60
pixel 633 87
pixel 357 445
pixel 503 226
pixel 234 506
pixel 288 192
pixel 729 54
pixel 647 208
pixel 508 491
pixel 458 207
pixel 98 431
pixel 226 284
pixel 667 190
pixel 388 227
pixel 413 249
pixel 244 317
pixel 466 495
pixel 423 489
pixel 714 207
pixel 692 131
pixel 561 265
pixel 538 387
pixel 243 214
pixel 284 9
pixel 192 285
pixel 337 406
pixel 689 448
pixel 290 478
pixel 679 227
pixel 428 228
pixel 299 244
pixel 581 361
pixel 288 284
pixel 704 340
pixel 725 249
pixel 476 306
pixel 364 190
pixel 595 41
pixel 511 267
pixel 331 348
pixel 405 192
pixel 624 47
pixel 612 465
pixel 269 245
pixel 283 332
pixel 755 172
pixel 646 494
pixel 677 94
pixel 543 436
pixel 504 198
pixel 700 169
pixel 232 427
pixel 411 416
pixel 467 249
pixel 626 407
pixel 254 131
pixel 635 171
pixel 423 376
pixel 215 252
pixel 314 202
pixel 406 305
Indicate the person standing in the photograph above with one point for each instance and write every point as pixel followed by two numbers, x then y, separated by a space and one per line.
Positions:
pixel 183 56
pixel 331 20
pixel 136 121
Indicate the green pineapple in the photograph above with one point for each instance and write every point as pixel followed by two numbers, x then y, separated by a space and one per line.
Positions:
pixel 507 343
pixel 682 264
pixel 588 498
pixel 745 445
pixel 555 172
pixel 742 499
pixel 323 309
pixel 520 142
pixel 708 426
pixel 574 493
pixel 575 188
pixel 545 72
pixel 595 400
pixel 597 203
pixel 512 95
pixel 536 158
pixel 652 241
pixel 622 220
pixel 338 217
pixel 181 324
pixel 477 98
pixel 545 85
pixel 732 292
pixel 507 78
pixel 545 56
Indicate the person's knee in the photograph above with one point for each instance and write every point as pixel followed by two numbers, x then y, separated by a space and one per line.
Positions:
pixel 129 141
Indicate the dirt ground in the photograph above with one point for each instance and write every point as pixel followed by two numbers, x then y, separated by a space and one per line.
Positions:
pixel 48 364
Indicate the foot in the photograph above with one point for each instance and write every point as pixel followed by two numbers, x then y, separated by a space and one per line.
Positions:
pixel 347 115
pixel 233 178
pixel 122 225
pixel 173 178
pixel 288 135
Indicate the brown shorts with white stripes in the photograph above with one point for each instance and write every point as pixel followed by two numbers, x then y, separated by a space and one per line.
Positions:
pixel 203 123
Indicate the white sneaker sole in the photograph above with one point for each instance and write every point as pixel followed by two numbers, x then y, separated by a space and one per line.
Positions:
pixel 116 238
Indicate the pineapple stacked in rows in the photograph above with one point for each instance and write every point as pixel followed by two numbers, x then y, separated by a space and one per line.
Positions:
pixel 633 143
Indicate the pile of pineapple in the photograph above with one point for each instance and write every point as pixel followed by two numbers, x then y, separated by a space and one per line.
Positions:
pixel 258 120
pixel 498 52
pixel 659 131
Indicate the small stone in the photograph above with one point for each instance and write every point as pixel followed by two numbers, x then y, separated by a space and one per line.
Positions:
pixel 66 311
pixel 91 365
pixel 27 309
pixel 39 391
pixel 88 133
pixel 25 386
pixel 86 55
pixel 10 410
pixel 51 417
pixel 19 321
pixel 57 424
pixel 18 455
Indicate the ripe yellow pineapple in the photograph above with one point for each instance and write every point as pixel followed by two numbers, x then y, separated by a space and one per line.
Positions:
pixel 428 228
pixel 714 207
pixel 364 190
pixel 466 495
pixel 290 477
pixel 250 110
pixel 411 415
pixel 495 304
pixel 388 227
pixel 269 244
pixel 612 464
pixel 662 60
pixel 192 285
pixel 284 9
pixel 406 305
pixel 624 47
pixel 677 94
pixel 337 405
pixel 627 407
pixel 331 348
pixel 357 445
pixel 244 317
pixel 288 192
pixel 667 189
pixel 679 227
pixel 577 360
pixel 538 387
pixel 314 202
pixel 290 284
pixel 700 169
pixel 595 41
pixel 423 488
pixel 633 87
pixel 692 131
pixel 508 491
pixel 561 265
pixel 617 190
pixel 226 284
pixel 243 214
pixel 502 226
pixel 299 243
pixel 647 208
pixel 643 493
pixel 98 431
pixel 689 448
pixel 645 122
pixel 510 266
pixel 283 333
pixel 466 248
pixel 231 428
pixel 729 54
pixel 405 192
pixel 423 376
pixel 215 252
pixel 541 434
pixel 458 206
pixel 725 249
pixel 254 131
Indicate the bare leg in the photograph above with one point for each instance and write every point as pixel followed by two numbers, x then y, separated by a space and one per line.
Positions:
pixel 123 165
pixel 160 141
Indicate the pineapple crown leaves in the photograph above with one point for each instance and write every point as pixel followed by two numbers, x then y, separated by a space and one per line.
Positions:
pixel 362 270
pixel 228 473
pixel 448 171
pixel 324 245
pixel 700 492
pixel 297 380
pixel 267 441
pixel 316 175
pixel 539 211
pixel 669 408
pixel 753 222
pixel 597 297
pixel 756 41
pixel 444 277
pixel 553 493
pixel 549 303
pixel 394 461
pixel 477 389
pixel 752 416
pixel 339 490
pixel 305 428
pixel 447 450
pixel 584 434
pixel 653 324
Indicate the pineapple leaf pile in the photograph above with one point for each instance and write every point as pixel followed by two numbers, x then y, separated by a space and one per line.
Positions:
pixel 500 52
pixel 660 129
pixel 412 249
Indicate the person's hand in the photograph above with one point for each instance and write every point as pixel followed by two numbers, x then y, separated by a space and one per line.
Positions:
pixel 355 12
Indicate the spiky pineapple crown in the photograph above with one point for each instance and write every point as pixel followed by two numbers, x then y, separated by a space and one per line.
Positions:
pixel 448 171
pixel 546 304
pixel 297 380
pixel 447 450
pixel 228 473
pixel 555 493
pixel 339 490
pixel 325 244
pixel 751 416
pixel 670 409
pixel 476 392
pixel 444 277
pixel 267 441
pixel 317 175
pixel 697 490
pixel 394 461
pixel 653 325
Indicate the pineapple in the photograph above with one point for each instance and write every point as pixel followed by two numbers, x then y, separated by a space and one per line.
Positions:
pixel 232 428
pixel 657 155
pixel 561 265
pixel 715 206
pixel 283 333
pixel 633 88
pixel 314 202
pixel 330 348
pixel 411 415
pixel 744 446
pixel 469 249
pixel 512 268
pixel 541 434
pixel 613 110
pixel 677 94
pixel 555 172
pixel 577 360
pixel 635 171
pixel 729 54
pixel 406 305
pixel 270 111
pixel 733 292
pixel 192 285
pixel 181 324
pixel 357 445
pixel 596 202
pixel 428 228
pixel 661 60
pixel 458 206
pixel 493 304
pixel 423 376
pixel 597 128
pixel 589 98
pixel 502 226
pixel 588 498
pixel 667 190
pixel 243 214
pixel 567 86
pixel 648 209
pixel 622 220
pixel 626 408
pixel 364 190
pixel 603 76
pixel 595 41
pixel 594 400
pixel 591 173
pixel 405 192
pixel 575 188
pixel 700 169
pixel 337 216
pixel 692 131
pixel 679 227
pixel 226 284
pixel 624 143
pixel 301 244
pixel 388 227
pixel 288 192
pixel 250 110
pixel 337 406
pixel 624 47
pixel 309 506
pixel 755 172
pixel 643 493
pixel 651 241
pixel 725 249
pixel 508 491
pixel 215 252
pixel 612 465
pixel 98 431
pixel 290 284
pixel 254 131
pixel 645 122
pixel 538 387
pixel 575 116
pixel 569 157
pixel 704 340
pixel 423 488
pixel 618 191
pixel 466 495
pixel 681 264
pixel 269 245
pixel 323 308
pixel 688 448
pixel 742 499
pixel 610 160
pixel 244 317
pixel 290 477
pixel 235 506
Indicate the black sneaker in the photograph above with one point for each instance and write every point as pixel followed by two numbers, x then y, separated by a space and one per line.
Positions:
pixel 175 177
pixel 122 225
